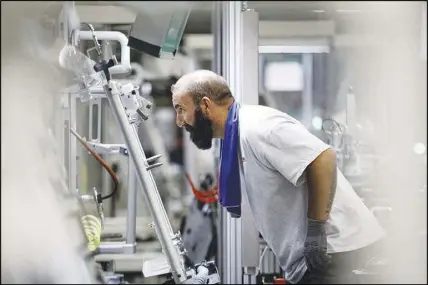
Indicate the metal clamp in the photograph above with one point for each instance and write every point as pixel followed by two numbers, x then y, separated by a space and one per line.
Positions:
pixel 100 207
pixel 128 96
pixel 96 197
pixel 145 108
pixel 136 107
pixel 177 236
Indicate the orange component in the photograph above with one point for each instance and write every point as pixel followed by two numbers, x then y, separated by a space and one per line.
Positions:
pixel 209 196
pixel 279 281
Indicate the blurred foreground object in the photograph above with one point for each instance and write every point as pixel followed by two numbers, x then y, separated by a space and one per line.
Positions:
pixel 42 237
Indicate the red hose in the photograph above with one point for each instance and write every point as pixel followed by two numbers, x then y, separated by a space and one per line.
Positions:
pixel 209 196
pixel 100 161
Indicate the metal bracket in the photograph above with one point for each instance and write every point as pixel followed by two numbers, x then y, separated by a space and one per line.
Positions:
pixel 136 107
pixel 153 159
pixel 145 108
pixel 129 102
pixel 109 149
pixel 96 197
pixel 95 120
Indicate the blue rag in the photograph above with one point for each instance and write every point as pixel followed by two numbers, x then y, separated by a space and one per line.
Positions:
pixel 229 180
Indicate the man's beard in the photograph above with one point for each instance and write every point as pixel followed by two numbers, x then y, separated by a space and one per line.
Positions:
pixel 201 133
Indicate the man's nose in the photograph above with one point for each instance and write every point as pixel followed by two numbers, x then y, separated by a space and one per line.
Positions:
pixel 179 121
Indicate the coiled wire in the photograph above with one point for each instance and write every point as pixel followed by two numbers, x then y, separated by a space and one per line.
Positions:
pixel 93 229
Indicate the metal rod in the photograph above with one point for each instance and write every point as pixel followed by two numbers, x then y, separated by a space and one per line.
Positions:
pixel 307 62
pixel 266 49
pixel 222 223
pixel 72 146
pixel 136 152
pixel 131 215
pixel 94 38
pixel 68 7
pixel 169 191
pixel 230 228
pixel 217 67
pixel 115 248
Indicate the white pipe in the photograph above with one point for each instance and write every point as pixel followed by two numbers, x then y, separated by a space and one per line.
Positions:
pixel 125 62
pixel 139 72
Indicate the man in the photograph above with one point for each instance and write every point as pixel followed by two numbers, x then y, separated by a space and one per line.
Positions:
pixel 303 206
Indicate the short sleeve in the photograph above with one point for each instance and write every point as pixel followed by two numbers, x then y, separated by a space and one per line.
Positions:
pixel 289 148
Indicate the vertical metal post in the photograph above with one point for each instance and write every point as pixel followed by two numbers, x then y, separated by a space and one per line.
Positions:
pixel 236 42
pixel 106 185
pixel 61 112
pixel 424 31
pixel 250 95
pixel 66 8
pixel 307 63
pixel 232 68
pixel 217 15
pixel 154 203
pixel 131 214
pixel 250 56
pixel 95 106
pixel 72 145
pixel 217 67
pixel 221 226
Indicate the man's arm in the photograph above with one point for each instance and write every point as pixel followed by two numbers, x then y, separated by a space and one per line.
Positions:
pixel 321 177
pixel 296 153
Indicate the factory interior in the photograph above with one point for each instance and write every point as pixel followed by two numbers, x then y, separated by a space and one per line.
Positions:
pixel 100 185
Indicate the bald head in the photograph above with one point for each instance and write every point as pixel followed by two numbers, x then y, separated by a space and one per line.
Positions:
pixel 201 99
pixel 203 83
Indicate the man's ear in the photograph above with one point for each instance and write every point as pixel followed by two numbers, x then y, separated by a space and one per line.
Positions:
pixel 206 106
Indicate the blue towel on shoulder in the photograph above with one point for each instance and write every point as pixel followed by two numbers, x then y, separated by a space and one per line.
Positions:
pixel 229 180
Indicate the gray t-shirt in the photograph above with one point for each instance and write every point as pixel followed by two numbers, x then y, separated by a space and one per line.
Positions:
pixel 275 151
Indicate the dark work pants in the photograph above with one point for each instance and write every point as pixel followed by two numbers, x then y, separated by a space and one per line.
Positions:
pixel 340 269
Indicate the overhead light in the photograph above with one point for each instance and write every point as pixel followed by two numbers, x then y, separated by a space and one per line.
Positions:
pixel 419 148
pixel 318 11
pixel 348 11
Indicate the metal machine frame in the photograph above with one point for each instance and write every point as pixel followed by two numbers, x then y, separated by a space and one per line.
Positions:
pixel 236 44
pixel 170 242
pixel 95 95
pixel 129 109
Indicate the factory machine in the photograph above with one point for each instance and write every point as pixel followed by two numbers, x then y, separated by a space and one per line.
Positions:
pixel 95 81
pixel 242 256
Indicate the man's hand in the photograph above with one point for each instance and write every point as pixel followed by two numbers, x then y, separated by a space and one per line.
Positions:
pixel 315 251
pixel 201 278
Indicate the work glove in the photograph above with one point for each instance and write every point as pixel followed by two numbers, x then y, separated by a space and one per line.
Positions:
pixel 201 278
pixel 315 250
